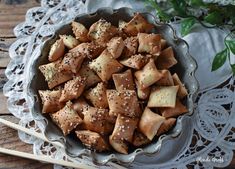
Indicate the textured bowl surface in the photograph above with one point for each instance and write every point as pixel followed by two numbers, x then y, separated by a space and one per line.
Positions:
pixel 185 69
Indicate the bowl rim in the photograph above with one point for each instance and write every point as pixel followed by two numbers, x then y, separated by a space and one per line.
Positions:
pixel 113 157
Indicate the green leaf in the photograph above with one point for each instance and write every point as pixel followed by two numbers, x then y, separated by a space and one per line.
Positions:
pixel 180 7
pixel 214 18
pixel 197 3
pixel 233 68
pixel 162 15
pixel 219 59
pixel 186 25
pixel 231 45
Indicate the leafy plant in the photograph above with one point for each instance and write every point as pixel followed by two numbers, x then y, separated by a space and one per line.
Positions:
pixel 212 15
pixel 231 45
pixel 186 25
pixel 219 59
pixel 161 14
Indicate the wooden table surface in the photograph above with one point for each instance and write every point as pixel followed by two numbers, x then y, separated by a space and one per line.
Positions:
pixel 10 16
pixel 12 12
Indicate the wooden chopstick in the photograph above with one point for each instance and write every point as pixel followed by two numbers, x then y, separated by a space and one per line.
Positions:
pixel 44 159
pixel 38 157
pixel 42 137
pixel 29 132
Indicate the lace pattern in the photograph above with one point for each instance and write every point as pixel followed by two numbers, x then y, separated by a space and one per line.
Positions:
pixel 222 2
pixel 212 137
pixel 212 141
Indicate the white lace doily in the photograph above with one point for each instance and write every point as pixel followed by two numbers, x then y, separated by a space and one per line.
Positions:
pixel 212 127
pixel 222 2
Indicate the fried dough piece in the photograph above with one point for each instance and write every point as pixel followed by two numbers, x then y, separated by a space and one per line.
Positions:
pixel 124 81
pixel 112 119
pixel 50 100
pixel 166 79
pixel 69 41
pixel 135 61
pixel 142 93
pixel 174 111
pixel 163 44
pixel 148 75
pixel 137 25
pixel 121 24
pixel 123 102
pixel 115 47
pixel 90 50
pixel 53 75
pixel 150 122
pixel 92 140
pixel 102 31
pixel 166 126
pixel 131 46
pixel 72 62
pixel 163 96
pixel 66 118
pixel 80 106
pixel 56 51
pixel 149 43
pixel 97 120
pixel 105 65
pixel 80 31
pixel 97 96
pixel 124 128
pixel 89 74
pixel 73 89
pixel 139 139
pixel 119 145
pixel 166 59
pixel 182 92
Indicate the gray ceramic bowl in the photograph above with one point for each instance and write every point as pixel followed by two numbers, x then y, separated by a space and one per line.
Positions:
pixel 185 69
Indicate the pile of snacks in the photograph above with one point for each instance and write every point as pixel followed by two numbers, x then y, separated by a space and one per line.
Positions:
pixel 112 85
